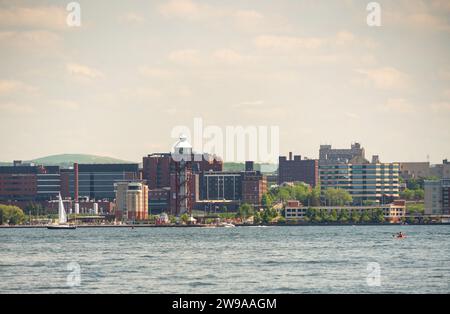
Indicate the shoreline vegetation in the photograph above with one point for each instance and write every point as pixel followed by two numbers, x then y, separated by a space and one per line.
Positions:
pixel 131 226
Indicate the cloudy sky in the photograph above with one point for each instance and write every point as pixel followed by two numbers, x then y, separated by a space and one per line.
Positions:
pixel 118 84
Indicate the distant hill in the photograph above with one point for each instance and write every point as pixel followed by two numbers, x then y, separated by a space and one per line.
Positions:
pixel 236 166
pixel 66 160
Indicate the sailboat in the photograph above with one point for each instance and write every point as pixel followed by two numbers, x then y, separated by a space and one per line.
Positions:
pixel 62 219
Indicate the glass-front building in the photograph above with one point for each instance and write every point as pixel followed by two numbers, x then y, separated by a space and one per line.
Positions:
pixel 377 182
pixel 96 181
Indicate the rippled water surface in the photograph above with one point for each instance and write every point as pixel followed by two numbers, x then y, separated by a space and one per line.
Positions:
pixel 226 260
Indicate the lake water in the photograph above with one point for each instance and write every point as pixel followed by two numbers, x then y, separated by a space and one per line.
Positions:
pixel 226 260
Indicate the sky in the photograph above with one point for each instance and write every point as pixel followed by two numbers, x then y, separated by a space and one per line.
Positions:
pixel 119 84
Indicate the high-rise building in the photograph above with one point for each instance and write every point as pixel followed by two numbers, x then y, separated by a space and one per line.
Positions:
pixel 333 155
pixel 131 200
pixel 298 170
pixel 377 182
pixel 437 193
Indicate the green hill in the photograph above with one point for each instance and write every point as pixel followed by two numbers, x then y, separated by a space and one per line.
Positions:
pixel 236 166
pixel 66 160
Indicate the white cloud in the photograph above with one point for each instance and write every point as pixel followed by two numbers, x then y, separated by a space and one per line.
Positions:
pixel 14 108
pixel 352 115
pixel 288 43
pixel 185 57
pixel 344 37
pixel 65 104
pixel 398 105
pixel 83 71
pixel 250 103
pixel 139 94
pixel 385 78
pixel 440 107
pixel 228 56
pixel 188 9
pixel 156 72
pixel 249 20
pixel 132 18
pixel 34 17
pixel 30 41
pixel 12 86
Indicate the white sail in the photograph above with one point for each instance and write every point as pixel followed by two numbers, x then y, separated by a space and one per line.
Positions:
pixel 62 211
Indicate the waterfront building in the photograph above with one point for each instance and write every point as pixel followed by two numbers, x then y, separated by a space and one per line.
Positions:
pixel 437 193
pixel 222 188
pixel 219 185
pixel 394 212
pixel 254 186
pixel 131 201
pixel 298 170
pixel 366 182
pixel 159 200
pixel 96 181
pixel 29 182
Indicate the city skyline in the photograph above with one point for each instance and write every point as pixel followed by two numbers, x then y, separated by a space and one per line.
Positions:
pixel 118 84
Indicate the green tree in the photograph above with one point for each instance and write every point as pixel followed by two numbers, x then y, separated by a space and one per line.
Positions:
pixel 257 219
pixel 344 216
pixel 333 217
pixel 355 217
pixel 11 214
pixel 419 194
pixel 184 218
pixel 378 216
pixel 407 194
pixel 266 200
pixel 314 197
pixel 269 215
pixel 365 217
pixel 324 215
pixel 245 211
pixel 337 197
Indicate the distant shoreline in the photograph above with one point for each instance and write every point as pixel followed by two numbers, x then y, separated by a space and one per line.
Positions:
pixel 237 225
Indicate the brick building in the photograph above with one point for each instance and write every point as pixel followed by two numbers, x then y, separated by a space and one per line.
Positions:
pixel 298 170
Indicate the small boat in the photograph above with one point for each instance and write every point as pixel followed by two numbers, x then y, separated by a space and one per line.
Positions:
pixel 62 219
pixel 399 236
pixel 226 225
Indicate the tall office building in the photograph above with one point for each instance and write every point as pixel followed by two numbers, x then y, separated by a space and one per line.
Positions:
pixel 378 182
pixel 437 193
pixel 298 170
